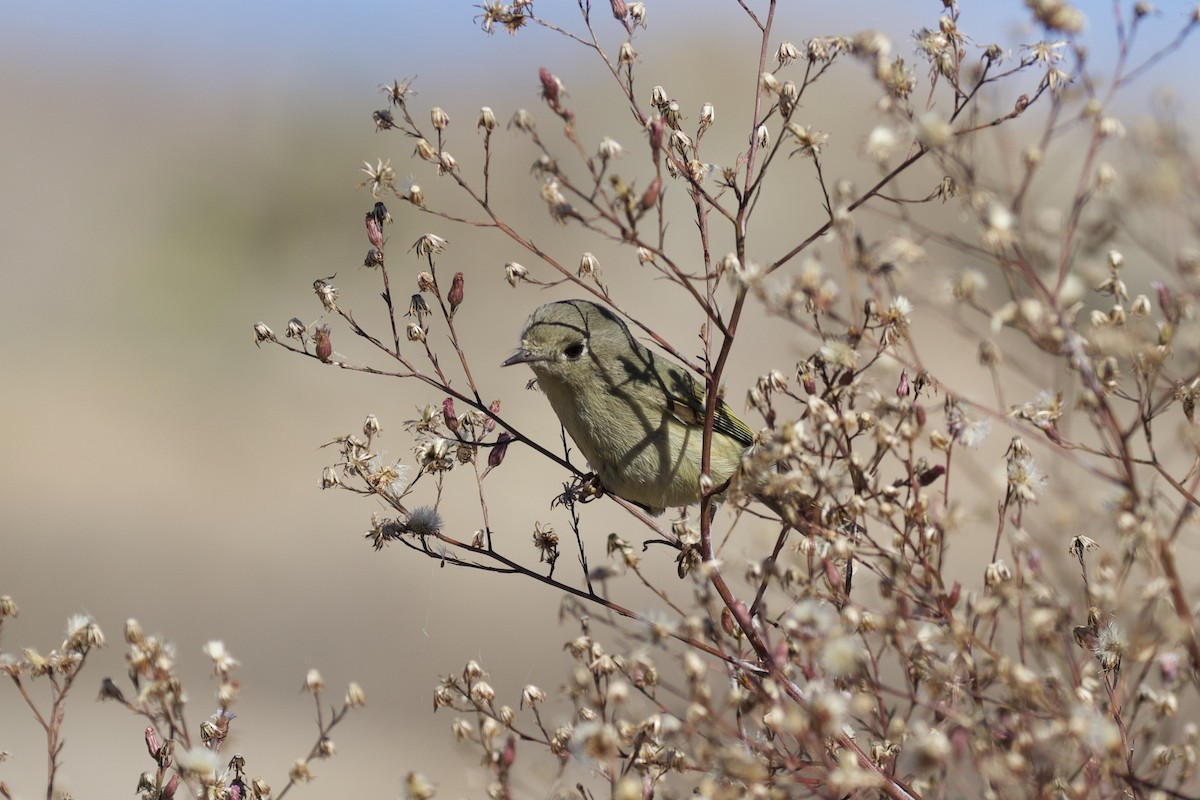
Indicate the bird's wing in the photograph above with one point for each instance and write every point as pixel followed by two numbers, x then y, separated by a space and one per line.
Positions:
pixel 685 399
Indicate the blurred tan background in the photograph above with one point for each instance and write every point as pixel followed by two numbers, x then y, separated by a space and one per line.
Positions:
pixel 173 175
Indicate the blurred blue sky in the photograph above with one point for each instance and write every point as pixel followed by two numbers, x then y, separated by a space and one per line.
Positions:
pixel 201 44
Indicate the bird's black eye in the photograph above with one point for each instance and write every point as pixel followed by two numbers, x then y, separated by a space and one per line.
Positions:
pixel 574 350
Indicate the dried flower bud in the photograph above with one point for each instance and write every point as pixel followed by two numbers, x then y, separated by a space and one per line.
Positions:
pixel 263 334
pixel 487 119
pixel 313 682
pixel 384 120
pixel 522 120
pixel 656 127
pixel 768 83
pixel 588 265
pixel 672 115
pixel 355 697
pixel 762 136
pixel 552 89
pixel 626 54
pixel 172 786
pixel 531 696
pixel 489 423
pixel 375 234
pixel 414 332
pixel 637 14
pixel 496 454
pixel 789 93
pixel 425 282
pixel 787 53
pixel 418 787
pixel 514 273
pixel 296 328
pixel 324 346
pixel 327 293
pixel 381 214
pixel 329 478
pixel 414 195
pixel 371 426
pixel 645 256
pixel 456 294
pixel 707 115
pixel 374 258
pixel 439 118
pixel 417 307
pixel 428 244
pixel 153 744
pixel 449 415
pixel 426 151
pixel 609 149
pixel 650 197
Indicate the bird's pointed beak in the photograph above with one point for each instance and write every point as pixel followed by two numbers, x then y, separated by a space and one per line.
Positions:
pixel 522 356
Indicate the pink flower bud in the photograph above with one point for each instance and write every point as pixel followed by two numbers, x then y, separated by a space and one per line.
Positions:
pixel 449 414
pixel 455 295
pixel 374 232
pixel 489 424
pixel 496 456
pixel 549 86
pixel 651 195
pixel 1165 302
pixel 656 134
pixel 902 388
pixel 618 8
pixel 152 742
pixel 324 344
pixel 168 791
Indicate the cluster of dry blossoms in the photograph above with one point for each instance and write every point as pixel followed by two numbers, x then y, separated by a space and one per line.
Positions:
pixel 184 762
pixel 895 639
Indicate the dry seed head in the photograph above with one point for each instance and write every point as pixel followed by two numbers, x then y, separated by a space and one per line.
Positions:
pixel 762 137
pixel 426 151
pixel 486 119
pixel 626 54
pixel 428 244
pixel 522 120
pixel 329 478
pixel 880 144
pixel 514 273
pixel 786 53
pixel 439 118
pixel 262 333
pixel 609 149
pixel 296 329
pixel 414 194
pixel 588 265
pixel 418 787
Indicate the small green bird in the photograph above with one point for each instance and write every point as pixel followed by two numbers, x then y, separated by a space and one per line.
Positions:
pixel 637 418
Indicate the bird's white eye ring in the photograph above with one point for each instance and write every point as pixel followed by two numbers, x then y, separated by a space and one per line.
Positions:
pixel 574 350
